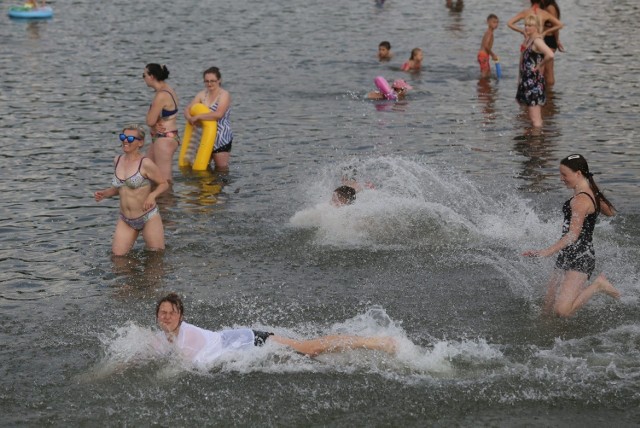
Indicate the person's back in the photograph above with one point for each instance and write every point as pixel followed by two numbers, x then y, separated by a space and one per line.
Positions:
pixel 202 346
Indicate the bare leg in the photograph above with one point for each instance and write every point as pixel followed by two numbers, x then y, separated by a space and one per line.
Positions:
pixel 535 114
pixel 552 291
pixel 153 233
pixel 221 161
pixel 549 77
pixel 338 343
pixel 600 284
pixel 123 238
pixel 571 297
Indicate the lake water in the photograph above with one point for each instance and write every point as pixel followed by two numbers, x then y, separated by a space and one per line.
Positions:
pixel 431 256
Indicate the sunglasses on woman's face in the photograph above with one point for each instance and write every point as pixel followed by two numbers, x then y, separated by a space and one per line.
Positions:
pixel 129 138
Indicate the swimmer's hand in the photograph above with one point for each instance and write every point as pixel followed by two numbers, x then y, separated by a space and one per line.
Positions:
pixel 531 253
pixel 369 185
pixel 560 46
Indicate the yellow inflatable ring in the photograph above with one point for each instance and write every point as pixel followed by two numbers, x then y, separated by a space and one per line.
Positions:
pixel 204 146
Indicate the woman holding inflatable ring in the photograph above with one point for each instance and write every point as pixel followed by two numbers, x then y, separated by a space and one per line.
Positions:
pixel 219 102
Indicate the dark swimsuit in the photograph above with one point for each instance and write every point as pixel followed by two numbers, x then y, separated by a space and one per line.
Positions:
pixel 260 337
pixel 531 83
pixel 163 114
pixel 550 39
pixel 579 256
pixel 167 113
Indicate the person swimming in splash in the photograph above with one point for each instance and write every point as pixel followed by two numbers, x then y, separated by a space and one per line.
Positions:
pixel 202 347
pixel 400 88
pixel 343 195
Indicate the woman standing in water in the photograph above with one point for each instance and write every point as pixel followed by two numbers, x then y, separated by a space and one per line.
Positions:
pixel 162 119
pixel 550 22
pixel 133 174
pixel 531 81
pixel 219 102
pixel 566 292
pixel 552 39
pixel 202 347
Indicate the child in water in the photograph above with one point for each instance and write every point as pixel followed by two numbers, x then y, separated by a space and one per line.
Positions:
pixel 486 47
pixel 33 4
pixel 399 86
pixel 415 61
pixel 384 51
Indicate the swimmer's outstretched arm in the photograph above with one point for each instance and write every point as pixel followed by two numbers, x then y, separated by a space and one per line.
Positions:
pixel 338 343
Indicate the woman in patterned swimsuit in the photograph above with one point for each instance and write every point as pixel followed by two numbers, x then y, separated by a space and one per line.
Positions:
pixel 531 80
pixel 138 209
pixel 566 292
pixel 219 102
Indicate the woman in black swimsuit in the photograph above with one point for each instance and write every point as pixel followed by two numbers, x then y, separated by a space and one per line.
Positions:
pixel 552 40
pixel 566 292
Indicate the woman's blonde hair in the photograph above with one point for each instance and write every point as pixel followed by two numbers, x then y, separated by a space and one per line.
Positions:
pixel 135 127
pixel 535 21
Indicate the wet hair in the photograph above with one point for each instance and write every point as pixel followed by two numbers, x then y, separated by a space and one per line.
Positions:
pixel 213 70
pixel 160 72
pixel 577 163
pixel 534 20
pixel 414 51
pixel 534 2
pixel 492 16
pixel 547 3
pixel 175 301
pixel 135 127
pixel 385 44
pixel 345 194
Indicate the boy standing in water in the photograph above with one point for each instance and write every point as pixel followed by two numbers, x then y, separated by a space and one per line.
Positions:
pixel 384 51
pixel 487 46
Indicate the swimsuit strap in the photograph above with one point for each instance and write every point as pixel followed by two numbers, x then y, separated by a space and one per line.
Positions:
pixel 140 164
pixel 592 200
pixel 171 95
pixel 117 162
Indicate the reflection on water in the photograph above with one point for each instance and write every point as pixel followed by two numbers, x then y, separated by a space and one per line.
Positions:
pixel 539 157
pixel 487 99
pixel 455 6
pixel 203 188
pixel 138 274
pixel 33 29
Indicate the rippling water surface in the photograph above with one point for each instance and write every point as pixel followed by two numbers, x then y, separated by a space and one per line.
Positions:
pixel 429 256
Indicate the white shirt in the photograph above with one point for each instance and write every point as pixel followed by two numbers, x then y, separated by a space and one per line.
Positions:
pixel 202 347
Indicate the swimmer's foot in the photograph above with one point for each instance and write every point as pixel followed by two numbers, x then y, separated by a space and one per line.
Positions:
pixel 606 287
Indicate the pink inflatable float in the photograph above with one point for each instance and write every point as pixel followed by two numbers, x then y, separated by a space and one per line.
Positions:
pixel 385 88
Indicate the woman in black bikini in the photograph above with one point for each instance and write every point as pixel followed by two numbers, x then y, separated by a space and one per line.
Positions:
pixel 162 119
pixel 566 291
pixel 552 40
